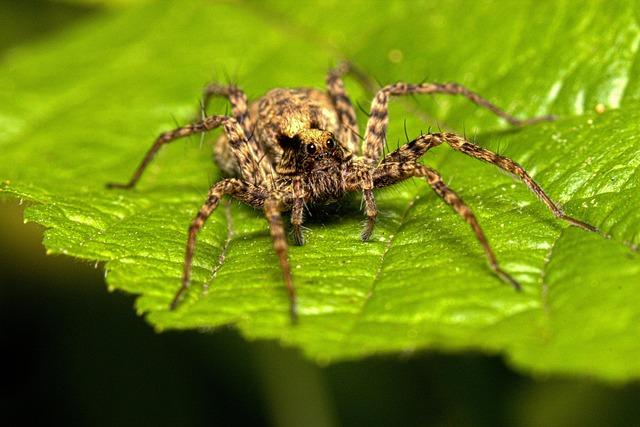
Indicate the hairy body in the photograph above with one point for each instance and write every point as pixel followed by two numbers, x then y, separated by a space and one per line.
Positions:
pixel 298 147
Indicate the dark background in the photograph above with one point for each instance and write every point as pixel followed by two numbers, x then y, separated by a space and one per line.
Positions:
pixel 75 354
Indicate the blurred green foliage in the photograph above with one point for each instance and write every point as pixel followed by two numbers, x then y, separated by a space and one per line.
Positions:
pixel 83 107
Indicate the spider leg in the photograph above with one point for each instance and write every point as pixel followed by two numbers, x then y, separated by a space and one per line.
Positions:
pixel 236 188
pixel 272 212
pixel 375 135
pixel 245 155
pixel 359 177
pixel 389 173
pixel 224 152
pixel 371 211
pixel 297 217
pixel 458 143
pixel 297 212
pixel 349 129
pixel 236 97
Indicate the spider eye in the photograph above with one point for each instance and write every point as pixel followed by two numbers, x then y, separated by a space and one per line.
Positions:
pixel 311 148
pixel 331 144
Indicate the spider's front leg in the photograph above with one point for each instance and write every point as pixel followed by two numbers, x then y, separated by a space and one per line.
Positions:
pixel 238 189
pixel 370 209
pixel 297 211
pixel 359 178
pixel 272 210
pixel 458 143
pixel 374 138
pixel 392 172
pixel 412 151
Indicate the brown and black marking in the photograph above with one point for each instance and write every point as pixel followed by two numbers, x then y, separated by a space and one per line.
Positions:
pixel 295 148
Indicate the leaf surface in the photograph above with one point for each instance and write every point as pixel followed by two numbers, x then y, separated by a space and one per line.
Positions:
pixel 82 109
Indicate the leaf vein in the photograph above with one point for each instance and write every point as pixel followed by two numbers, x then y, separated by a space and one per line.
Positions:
pixel 376 277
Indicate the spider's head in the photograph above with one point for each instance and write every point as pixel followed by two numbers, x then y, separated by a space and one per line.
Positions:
pixel 309 150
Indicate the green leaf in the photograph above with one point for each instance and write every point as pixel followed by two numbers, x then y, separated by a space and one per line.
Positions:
pixel 81 110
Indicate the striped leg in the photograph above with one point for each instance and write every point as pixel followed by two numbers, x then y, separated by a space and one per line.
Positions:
pixel 272 212
pixel 458 143
pixel 236 188
pixel 394 172
pixel 245 155
pixel 297 211
pixel 349 131
pixel 452 199
pixel 237 99
pixel 360 178
pixel 375 135
pixel 411 152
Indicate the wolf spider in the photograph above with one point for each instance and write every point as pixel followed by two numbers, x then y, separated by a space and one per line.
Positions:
pixel 298 147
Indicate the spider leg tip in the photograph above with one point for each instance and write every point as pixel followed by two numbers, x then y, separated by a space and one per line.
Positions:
pixel 298 237
pixel 513 282
pixel 506 277
pixel 366 234
pixel 584 225
pixel 114 185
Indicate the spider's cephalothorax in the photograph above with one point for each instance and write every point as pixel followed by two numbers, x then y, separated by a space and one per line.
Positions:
pixel 300 147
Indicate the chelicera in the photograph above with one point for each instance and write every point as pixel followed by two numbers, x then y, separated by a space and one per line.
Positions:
pixel 298 148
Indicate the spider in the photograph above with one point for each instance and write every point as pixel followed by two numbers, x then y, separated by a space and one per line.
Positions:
pixel 294 148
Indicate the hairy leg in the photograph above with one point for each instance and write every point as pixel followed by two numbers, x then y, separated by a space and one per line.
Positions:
pixel 411 151
pixel 349 131
pixel 297 217
pixel 359 178
pixel 394 172
pixel 458 143
pixel 371 211
pixel 236 97
pixel 245 155
pixel 236 188
pixel 297 212
pixel 272 212
pixel 375 135
pixel 365 181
